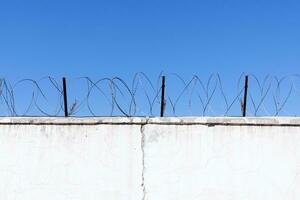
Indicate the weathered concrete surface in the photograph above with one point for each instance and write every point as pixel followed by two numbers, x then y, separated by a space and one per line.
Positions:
pixel 77 162
pixel 150 159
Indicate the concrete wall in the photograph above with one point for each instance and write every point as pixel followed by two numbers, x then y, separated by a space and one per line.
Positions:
pixel 150 159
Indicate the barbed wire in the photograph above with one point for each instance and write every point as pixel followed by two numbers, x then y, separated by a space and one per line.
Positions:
pixel 141 96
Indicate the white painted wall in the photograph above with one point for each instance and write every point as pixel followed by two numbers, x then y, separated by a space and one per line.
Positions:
pixel 70 162
pixel 156 159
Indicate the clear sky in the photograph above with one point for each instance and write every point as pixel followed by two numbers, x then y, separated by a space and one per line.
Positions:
pixel 104 38
pixel 98 39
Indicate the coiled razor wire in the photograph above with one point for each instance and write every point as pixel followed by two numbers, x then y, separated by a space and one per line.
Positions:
pixel 195 96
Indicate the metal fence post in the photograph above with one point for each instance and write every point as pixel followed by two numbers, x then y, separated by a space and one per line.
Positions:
pixel 245 96
pixel 163 102
pixel 65 96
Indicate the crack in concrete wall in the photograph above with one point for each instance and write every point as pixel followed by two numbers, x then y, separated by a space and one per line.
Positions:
pixel 143 159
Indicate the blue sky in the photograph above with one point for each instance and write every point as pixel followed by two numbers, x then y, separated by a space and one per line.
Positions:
pixel 75 38
pixel 104 38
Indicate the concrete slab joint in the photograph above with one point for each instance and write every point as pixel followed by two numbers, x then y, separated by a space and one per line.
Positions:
pixel 143 159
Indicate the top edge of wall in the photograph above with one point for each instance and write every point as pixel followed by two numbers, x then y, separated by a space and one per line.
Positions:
pixel 208 121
